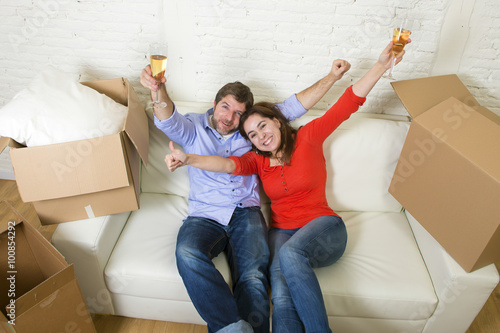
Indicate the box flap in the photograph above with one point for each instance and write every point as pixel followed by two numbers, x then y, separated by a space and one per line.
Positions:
pixel 44 289
pixel 136 124
pixel 488 114
pixel 468 132
pixel 3 143
pixel 116 89
pixel 22 266
pixel 8 215
pixel 66 169
pixel 419 95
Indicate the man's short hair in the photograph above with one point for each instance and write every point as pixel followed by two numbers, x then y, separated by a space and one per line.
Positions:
pixel 240 92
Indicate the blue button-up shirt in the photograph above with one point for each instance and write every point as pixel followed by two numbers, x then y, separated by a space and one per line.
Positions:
pixel 215 195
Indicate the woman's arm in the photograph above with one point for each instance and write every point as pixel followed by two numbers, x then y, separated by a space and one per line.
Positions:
pixel 368 81
pixel 212 163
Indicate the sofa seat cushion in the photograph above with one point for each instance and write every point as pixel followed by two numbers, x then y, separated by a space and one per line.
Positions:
pixel 381 274
pixel 88 244
pixel 143 262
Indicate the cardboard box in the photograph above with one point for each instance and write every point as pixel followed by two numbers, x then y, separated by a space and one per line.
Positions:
pixel 40 292
pixel 6 170
pixel 448 174
pixel 87 178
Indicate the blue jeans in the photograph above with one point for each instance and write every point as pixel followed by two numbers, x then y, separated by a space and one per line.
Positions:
pixel 298 304
pixel 244 241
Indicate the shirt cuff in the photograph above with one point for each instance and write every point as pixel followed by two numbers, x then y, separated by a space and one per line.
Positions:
pixel 355 98
pixel 292 108
pixel 165 122
pixel 237 165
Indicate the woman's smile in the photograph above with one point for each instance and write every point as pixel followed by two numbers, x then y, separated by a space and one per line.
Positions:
pixel 264 133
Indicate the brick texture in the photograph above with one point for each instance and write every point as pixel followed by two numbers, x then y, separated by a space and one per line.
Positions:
pixel 276 47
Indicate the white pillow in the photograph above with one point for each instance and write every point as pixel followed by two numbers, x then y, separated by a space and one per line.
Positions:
pixel 54 108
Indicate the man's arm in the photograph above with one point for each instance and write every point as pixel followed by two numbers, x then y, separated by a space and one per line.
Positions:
pixel 148 81
pixel 310 96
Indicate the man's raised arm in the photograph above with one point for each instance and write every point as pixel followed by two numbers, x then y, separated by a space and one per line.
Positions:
pixel 310 96
pixel 148 81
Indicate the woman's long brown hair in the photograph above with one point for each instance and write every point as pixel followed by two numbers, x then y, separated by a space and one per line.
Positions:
pixel 271 111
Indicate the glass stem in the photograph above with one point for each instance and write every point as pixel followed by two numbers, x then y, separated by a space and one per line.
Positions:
pixel 392 65
pixel 157 101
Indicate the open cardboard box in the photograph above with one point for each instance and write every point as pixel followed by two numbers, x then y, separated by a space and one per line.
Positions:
pixel 448 174
pixel 86 178
pixel 40 292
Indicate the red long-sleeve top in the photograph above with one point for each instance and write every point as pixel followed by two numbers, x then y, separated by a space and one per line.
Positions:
pixel 297 190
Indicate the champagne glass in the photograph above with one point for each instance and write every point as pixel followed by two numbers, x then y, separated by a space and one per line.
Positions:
pixel 158 58
pixel 400 36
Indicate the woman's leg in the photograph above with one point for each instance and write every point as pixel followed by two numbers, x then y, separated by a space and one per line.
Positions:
pixel 285 317
pixel 319 243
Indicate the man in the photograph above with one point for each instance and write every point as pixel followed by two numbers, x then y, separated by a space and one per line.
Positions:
pixel 224 210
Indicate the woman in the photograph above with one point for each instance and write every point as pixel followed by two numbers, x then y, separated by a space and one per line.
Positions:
pixel 305 232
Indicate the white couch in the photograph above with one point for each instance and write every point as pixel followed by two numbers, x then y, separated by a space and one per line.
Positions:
pixel 393 277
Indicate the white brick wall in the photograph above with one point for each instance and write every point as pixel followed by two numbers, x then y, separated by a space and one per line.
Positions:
pixel 276 47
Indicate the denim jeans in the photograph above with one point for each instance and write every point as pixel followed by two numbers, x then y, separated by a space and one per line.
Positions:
pixel 298 304
pixel 244 241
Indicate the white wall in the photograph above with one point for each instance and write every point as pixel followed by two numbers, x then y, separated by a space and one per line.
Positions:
pixel 276 47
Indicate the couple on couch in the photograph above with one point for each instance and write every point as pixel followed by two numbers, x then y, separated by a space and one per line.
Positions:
pixel 229 148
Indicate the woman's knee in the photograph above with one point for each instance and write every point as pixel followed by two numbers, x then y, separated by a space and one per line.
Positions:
pixel 290 255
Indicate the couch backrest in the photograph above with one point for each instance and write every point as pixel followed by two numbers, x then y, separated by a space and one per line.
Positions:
pixel 361 156
pixel 155 177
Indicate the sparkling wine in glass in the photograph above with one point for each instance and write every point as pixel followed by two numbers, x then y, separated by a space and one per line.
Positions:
pixel 400 36
pixel 158 58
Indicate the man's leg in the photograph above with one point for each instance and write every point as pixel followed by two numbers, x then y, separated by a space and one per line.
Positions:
pixel 248 255
pixel 199 240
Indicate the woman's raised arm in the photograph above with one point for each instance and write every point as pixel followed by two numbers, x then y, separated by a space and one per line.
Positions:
pixel 368 81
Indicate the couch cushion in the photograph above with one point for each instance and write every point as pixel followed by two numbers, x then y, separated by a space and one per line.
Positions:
pixel 143 262
pixel 88 244
pixel 155 176
pixel 382 273
pixel 361 156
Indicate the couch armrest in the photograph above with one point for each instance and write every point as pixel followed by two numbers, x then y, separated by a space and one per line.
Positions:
pixel 88 244
pixel 461 295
